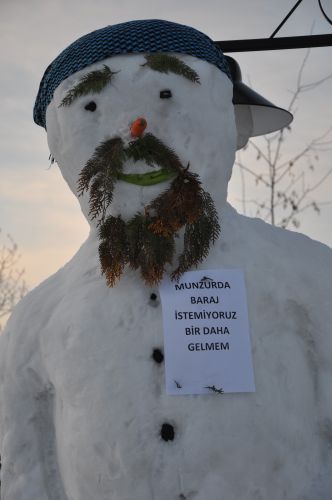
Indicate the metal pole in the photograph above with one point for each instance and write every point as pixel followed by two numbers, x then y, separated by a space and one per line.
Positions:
pixel 284 20
pixel 280 43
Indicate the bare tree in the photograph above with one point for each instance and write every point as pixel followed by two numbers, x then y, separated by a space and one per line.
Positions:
pixel 287 185
pixel 12 284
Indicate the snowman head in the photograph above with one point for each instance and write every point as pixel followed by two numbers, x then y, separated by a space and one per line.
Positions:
pixel 140 120
pixel 196 120
pixel 190 115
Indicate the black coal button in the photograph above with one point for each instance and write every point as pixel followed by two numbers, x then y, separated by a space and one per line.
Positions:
pixel 167 432
pixel 154 300
pixel 157 355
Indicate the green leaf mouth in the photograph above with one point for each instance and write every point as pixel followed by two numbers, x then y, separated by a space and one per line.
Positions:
pixel 149 178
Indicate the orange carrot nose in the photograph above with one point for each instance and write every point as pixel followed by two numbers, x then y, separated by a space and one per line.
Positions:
pixel 137 127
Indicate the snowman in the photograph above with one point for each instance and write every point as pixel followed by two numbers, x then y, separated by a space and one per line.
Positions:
pixel 140 119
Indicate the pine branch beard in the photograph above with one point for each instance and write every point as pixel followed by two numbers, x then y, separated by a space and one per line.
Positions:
pixel 147 241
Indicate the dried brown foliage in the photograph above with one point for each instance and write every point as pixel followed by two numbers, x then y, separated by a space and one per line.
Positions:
pixel 147 241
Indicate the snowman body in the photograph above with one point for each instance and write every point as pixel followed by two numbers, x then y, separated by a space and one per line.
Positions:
pixel 84 400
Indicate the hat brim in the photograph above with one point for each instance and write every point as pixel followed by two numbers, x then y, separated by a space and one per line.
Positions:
pixel 266 117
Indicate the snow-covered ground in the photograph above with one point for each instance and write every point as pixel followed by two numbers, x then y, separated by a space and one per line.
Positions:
pixel 82 399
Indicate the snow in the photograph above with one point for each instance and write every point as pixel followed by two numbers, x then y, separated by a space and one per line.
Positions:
pixel 82 401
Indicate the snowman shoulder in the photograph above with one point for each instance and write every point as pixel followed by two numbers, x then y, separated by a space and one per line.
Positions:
pixel 289 248
pixel 35 310
pixel 25 392
pixel 298 272
pixel 19 343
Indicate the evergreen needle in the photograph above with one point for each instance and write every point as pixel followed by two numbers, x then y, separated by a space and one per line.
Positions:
pixel 165 63
pixel 91 83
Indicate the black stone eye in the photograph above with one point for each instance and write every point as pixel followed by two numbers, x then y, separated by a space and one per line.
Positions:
pixel 165 94
pixel 92 106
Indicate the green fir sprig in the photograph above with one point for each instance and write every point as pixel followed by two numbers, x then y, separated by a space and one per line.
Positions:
pixel 165 63
pixel 133 243
pixel 199 235
pixel 154 152
pixel 100 173
pixel 178 205
pixel 113 248
pixel 148 251
pixel 91 83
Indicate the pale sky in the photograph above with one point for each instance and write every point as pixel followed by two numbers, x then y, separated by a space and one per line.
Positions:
pixel 36 207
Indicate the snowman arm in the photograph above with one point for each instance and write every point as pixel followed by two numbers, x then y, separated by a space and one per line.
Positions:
pixel 21 409
pixel 325 395
pixel 323 343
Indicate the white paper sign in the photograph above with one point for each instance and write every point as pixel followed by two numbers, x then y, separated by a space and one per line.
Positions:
pixel 206 333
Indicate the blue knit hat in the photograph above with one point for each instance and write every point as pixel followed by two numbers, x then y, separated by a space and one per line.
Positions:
pixel 151 35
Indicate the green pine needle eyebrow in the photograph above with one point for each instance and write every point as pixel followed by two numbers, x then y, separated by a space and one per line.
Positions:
pixel 91 83
pixel 171 64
